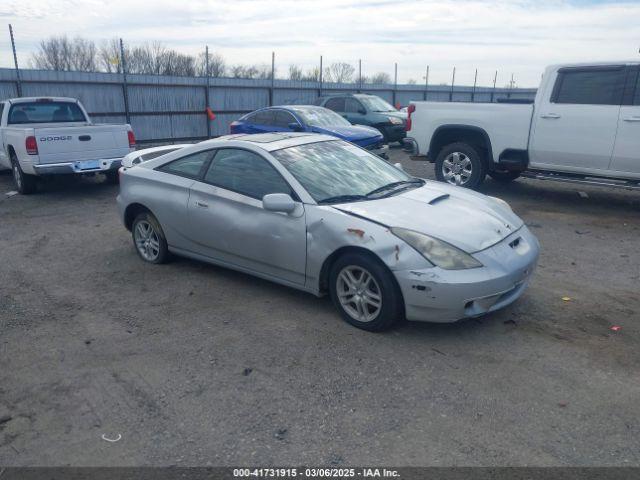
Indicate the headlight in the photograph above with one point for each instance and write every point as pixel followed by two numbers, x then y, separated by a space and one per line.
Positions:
pixel 395 120
pixel 500 201
pixel 436 251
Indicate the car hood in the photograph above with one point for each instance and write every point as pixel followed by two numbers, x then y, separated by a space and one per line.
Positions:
pixel 351 133
pixel 466 219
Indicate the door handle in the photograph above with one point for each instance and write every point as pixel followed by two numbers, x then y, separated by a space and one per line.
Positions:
pixel 84 138
pixel 550 115
pixel 632 119
pixel 202 204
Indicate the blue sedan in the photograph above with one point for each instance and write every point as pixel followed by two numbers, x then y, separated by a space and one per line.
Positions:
pixel 310 118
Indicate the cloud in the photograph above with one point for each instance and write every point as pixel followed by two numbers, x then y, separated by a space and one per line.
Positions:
pixel 519 37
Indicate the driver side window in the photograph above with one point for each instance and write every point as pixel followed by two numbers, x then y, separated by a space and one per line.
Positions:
pixel 245 172
pixel 353 106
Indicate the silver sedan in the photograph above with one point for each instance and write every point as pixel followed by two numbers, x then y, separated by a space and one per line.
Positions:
pixel 322 215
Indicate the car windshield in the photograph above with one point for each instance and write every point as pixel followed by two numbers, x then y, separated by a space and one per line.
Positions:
pixel 336 171
pixel 45 112
pixel 321 117
pixel 376 104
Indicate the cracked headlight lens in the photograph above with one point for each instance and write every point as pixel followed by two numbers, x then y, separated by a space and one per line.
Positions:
pixel 439 253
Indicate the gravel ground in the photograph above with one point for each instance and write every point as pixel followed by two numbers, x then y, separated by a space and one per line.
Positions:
pixel 191 364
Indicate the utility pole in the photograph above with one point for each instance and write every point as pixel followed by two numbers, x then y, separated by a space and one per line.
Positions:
pixel 125 89
pixel 15 62
pixel 273 77
pixel 453 81
pixel 426 84
pixel 206 92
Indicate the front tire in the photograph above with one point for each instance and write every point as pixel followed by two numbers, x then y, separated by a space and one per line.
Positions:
pixel 148 239
pixel 460 164
pixel 25 184
pixel 365 293
pixel 504 176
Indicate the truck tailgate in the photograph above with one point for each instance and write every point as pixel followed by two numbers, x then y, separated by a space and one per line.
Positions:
pixel 90 142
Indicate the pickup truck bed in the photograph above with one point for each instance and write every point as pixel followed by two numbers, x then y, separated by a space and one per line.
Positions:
pixel 49 136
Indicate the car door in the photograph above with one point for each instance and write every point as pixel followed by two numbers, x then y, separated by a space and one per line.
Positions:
pixel 337 104
pixel 354 111
pixel 575 130
pixel 283 121
pixel 229 224
pixel 626 153
pixel 262 122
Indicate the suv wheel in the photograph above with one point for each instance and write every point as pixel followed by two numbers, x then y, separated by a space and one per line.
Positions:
pixel 460 164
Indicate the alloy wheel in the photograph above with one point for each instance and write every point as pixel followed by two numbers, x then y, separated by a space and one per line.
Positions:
pixel 147 241
pixel 359 293
pixel 457 168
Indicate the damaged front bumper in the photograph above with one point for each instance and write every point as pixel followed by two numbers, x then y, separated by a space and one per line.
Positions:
pixel 443 296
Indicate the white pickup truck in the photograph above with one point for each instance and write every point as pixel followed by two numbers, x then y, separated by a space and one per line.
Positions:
pixel 49 136
pixel 584 127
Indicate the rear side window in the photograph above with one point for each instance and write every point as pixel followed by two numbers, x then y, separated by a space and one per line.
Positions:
pixel 246 173
pixel 45 112
pixel 636 98
pixel 335 104
pixel 590 87
pixel 190 166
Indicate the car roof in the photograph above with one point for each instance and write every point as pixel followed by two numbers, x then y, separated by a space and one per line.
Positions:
pixel 270 141
pixel 49 99
pixel 349 95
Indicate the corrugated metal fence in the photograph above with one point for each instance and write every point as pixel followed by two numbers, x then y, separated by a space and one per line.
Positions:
pixel 170 109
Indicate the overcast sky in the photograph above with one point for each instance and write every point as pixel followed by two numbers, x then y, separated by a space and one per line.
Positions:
pixel 518 37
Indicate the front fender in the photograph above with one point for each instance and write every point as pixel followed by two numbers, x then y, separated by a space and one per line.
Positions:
pixel 329 230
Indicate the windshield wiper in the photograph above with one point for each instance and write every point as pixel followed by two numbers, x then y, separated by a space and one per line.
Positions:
pixel 342 198
pixel 392 185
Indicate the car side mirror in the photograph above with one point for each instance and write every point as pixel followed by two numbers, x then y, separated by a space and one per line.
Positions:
pixel 278 202
pixel 398 165
pixel 295 126
pixel 362 111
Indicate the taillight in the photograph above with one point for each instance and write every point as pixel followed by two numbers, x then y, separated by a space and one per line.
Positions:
pixel 132 138
pixel 31 145
pixel 410 110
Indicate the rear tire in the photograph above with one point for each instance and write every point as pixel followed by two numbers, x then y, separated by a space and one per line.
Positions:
pixel 365 292
pixel 148 239
pixel 112 177
pixel 25 184
pixel 504 176
pixel 460 164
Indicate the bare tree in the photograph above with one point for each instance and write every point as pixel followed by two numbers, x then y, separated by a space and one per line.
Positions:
pixel 108 56
pixel 411 81
pixel 62 53
pixel 217 66
pixel 312 75
pixel 295 72
pixel 339 72
pixel 380 78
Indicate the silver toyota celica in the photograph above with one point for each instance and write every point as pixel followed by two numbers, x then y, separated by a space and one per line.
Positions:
pixel 322 215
